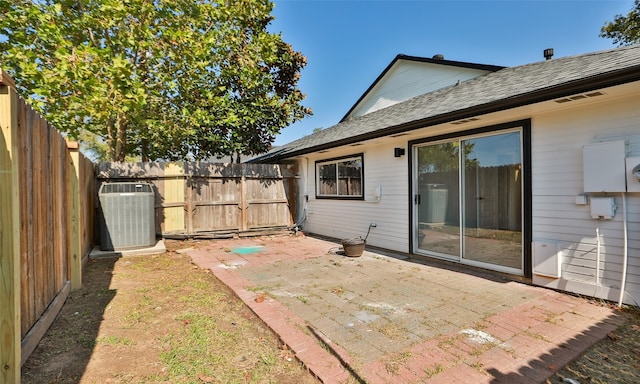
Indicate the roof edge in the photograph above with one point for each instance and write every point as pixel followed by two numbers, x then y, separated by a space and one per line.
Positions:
pixel 454 63
pixel 623 76
pixel 485 67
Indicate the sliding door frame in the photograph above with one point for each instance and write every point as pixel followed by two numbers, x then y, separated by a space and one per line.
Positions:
pixel 525 126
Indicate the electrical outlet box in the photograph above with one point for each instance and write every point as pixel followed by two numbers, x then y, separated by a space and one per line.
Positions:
pixel 582 200
pixel 603 208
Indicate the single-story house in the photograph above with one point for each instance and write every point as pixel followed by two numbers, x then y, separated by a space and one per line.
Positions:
pixel 530 171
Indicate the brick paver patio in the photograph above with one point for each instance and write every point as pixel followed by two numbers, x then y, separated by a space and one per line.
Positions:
pixel 381 319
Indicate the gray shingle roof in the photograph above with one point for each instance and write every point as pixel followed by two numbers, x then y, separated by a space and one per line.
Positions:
pixel 504 89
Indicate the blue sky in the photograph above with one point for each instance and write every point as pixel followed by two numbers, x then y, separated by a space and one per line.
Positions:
pixel 348 43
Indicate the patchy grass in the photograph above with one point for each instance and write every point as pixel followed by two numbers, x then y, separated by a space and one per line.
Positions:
pixel 114 340
pixel 430 372
pixel 612 360
pixel 390 330
pixel 393 364
pixel 158 319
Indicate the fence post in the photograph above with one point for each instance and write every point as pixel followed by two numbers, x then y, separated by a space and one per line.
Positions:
pixel 10 331
pixel 243 201
pixel 188 185
pixel 75 232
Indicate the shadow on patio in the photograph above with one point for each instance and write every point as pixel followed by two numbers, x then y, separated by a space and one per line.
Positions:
pixel 387 320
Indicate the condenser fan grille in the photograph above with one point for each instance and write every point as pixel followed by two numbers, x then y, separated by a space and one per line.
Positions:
pixel 127 216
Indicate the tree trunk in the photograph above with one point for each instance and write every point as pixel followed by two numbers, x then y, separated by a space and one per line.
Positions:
pixel 121 143
pixel 111 140
pixel 117 138
pixel 144 150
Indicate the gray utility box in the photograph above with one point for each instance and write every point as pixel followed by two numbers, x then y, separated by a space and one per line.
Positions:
pixel 433 208
pixel 127 216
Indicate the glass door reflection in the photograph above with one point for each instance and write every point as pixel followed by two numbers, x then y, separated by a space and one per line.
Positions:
pixel 438 227
pixel 492 200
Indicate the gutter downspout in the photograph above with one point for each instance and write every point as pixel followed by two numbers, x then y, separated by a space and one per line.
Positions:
pixel 305 195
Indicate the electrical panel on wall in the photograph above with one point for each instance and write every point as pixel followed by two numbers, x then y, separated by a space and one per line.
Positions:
pixel 604 167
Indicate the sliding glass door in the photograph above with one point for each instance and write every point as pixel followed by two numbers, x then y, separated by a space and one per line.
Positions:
pixel 438 187
pixel 468 200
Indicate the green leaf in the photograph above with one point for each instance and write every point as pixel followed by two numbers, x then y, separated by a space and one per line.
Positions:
pixel 179 78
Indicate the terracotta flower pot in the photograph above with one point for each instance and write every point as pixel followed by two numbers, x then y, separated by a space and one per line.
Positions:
pixel 353 247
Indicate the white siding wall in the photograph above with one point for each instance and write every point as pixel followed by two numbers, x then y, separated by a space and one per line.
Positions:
pixel 409 79
pixel 348 218
pixel 557 171
pixel 557 178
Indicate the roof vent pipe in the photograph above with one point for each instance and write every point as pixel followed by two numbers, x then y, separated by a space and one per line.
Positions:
pixel 438 56
pixel 548 53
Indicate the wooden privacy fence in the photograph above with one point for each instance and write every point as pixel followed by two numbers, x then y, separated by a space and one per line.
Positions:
pixel 495 203
pixel 47 193
pixel 216 199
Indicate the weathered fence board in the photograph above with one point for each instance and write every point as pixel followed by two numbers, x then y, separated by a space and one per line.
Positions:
pixel 10 240
pixel 43 185
pixel 213 197
pixel 501 190
pixel 46 196
pixel 87 202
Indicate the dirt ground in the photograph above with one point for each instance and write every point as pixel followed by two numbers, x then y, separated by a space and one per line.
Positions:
pixel 160 319
pixel 614 360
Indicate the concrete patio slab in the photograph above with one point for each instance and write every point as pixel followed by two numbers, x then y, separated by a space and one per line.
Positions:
pixel 380 319
pixel 157 249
